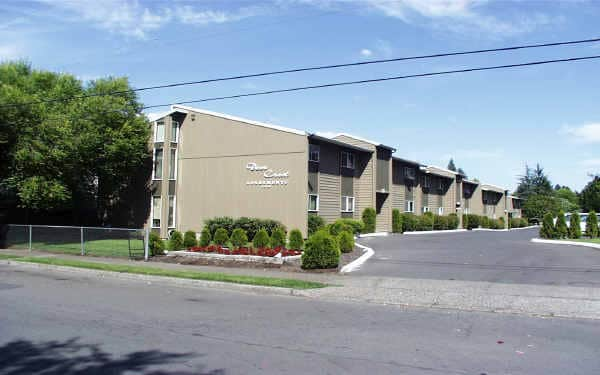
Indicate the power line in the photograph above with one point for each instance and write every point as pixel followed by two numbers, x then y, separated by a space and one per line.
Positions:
pixel 305 69
pixel 383 79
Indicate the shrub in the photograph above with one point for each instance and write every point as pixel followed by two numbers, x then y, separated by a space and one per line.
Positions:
pixel 396 221
pixel 357 226
pixel 205 237
pixel 465 223
pixel 315 223
pixel 346 241
pixel 239 238
pixel 296 241
pixel 349 225
pixel 250 225
pixel 484 221
pixel 473 221
pixel 523 223
pixel 221 237
pixel 561 225
pixel 515 222
pixel 175 241
pixel 501 223
pixel 591 226
pixel 453 221
pixel 155 244
pixel 440 222
pixel 189 239
pixel 547 229
pixel 575 226
pixel 271 225
pixel 277 238
pixel 425 222
pixel 215 223
pixel 261 239
pixel 369 219
pixel 409 222
pixel 321 251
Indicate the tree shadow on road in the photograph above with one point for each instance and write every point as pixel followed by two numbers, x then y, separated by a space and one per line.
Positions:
pixel 71 357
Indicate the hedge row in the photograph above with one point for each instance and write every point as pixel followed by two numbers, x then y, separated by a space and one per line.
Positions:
pixel 409 222
pixel 559 230
pixel 249 224
pixel 471 221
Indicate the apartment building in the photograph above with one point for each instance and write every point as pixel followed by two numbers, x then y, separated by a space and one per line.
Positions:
pixel 207 164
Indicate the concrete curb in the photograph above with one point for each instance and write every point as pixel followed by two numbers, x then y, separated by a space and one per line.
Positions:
pixel 237 258
pixel 561 242
pixel 436 231
pixel 354 265
pixel 376 234
pixel 161 280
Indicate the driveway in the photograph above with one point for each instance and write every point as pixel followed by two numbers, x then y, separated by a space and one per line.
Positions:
pixel 504 257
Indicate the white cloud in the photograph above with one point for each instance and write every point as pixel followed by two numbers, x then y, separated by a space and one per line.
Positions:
pixel 10 52
pixel 366 52
pixel 586 133
pixel 191 16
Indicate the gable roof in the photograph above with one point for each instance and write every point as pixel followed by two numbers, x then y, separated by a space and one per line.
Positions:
pixel 374 143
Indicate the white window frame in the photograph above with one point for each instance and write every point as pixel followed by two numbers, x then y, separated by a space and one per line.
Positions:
pixel 466 210
pixel 154 163
pixel 345 158
pixel 156 131
pixel 317 205
pixel 176 140
pixel 427 181
pixel 174 223
pixel 152 212
pixel 316 149
pixel 175 166
pixel 440 211
pixel 410 206
pixel 412 175
pixel 425 209
pixel 346 199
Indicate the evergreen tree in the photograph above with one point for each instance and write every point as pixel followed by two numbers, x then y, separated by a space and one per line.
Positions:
pixel 534 182
pixel 462 173
pixel 547 229
pixel 575 226
pixel 561 225
pixel 591 226
pixel 590 195
pixel 451 165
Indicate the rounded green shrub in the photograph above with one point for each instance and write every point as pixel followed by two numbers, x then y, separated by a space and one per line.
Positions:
pixel 575 226
pixel 396 221
pixel 484 221
pixel 215 223
pixel 440 222
pixel 523 223
pixel 261 239
pixel 453 221
pixel 277 238
pixel 501 223
pixel 315 223
pixel 409 222
pixel 425 222
pixel 369 219
pixel 515 222
pixel 346 241
pixel 473 221
pixel 561 225
pixel 547 230
pixel 321 251
pixel 296 241
pixel 175 241
pixel 221 237
pixel 189 239
pixel 155 244
pixel 205 237
pixel 239 238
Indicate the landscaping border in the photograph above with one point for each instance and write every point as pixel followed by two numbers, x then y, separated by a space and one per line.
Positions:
pixel 563 242
pixel 354 265
pixel 435 231
pixel 376 234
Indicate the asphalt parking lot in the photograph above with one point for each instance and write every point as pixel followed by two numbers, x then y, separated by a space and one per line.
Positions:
pixel 504 257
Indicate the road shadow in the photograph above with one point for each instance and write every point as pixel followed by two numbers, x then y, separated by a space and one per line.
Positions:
pixel 70 357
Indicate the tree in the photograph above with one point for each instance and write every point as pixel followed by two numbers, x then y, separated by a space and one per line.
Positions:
pixel 534 182
pixel 451 165
pixel 590 195
pixel 547 230
pixel 561 225
pixel 591 225
pixel 74 154
pixel 567 199
pixel 575 226
pixel 538 205
pixel 462 173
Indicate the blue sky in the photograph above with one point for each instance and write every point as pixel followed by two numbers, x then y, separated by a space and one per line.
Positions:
pixel 492 123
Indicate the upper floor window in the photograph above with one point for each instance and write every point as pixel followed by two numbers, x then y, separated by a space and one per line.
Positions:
pixel 158 164
pixel 409 173
pixel 426 181
pixel 347 160
pixel 173 164
pixel 441 184
pixel 159 131
pixel 314 153
pixel 313 202
pixel 347 204
pixel 174 131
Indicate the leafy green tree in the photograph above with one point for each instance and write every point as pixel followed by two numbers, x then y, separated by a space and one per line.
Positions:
pixel 561 225
pixel 547 230
pixel 451 165
pixel 590 195
pixel 575 226
pixel 567 199
pixel 534 182
pixel 536 206
pixel 591 225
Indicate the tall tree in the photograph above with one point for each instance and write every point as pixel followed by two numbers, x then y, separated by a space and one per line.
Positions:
pixel 462 172
pixel 567 199
pixel 590 195
pixel 534 182
pixel 451 165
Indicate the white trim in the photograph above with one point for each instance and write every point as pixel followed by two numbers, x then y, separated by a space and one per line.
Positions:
pixel 562 242
pixel 376 234
pixel 425 209
pixel 357 138
pixel 177 133
pixel 176 164
pixel 314 148
pixel 412 210
pixel 354 265
pixel 308 202
pixel 346 199
pixel 433 169
pixel 169 226
pixel 490 187
pixel 239 119
pixel 156 132
pixel 154 161
pixel 436 231
pixel 343 161
pixel 152 211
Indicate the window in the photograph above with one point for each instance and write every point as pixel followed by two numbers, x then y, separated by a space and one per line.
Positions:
pixel 158 162
pixel 313 202
pixel 173 164
pixel 426 181
pixel 314 153
pixel 347 204
pixel 174 131
pixel 425 209
pixel 409 173
pixel 466 211
pixel 410 206
pixel 171 219
pixel 441 184
pixel 156 211
pixel 159 131
pixel 347 160
pixel 440 210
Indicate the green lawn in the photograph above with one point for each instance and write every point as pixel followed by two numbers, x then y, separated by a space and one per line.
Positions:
pixel 194 275
pixel 107 248
pixel 590 240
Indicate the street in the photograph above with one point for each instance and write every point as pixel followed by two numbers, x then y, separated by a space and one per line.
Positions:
pixel 501 257
pixel 60 323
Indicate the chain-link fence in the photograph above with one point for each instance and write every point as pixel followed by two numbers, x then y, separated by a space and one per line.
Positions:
pixel 92 241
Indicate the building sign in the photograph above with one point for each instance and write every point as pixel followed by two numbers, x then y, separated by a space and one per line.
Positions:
pixel 267 177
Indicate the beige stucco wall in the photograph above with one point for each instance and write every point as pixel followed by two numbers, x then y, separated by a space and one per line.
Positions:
pixel 212 176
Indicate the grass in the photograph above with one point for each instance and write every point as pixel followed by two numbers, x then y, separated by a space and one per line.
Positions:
pixel 152 271
pixel 589 240
pixel 106 248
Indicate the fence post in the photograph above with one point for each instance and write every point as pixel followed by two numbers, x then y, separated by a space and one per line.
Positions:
pixel 82 243
pixel 146 245
pixel 30 229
